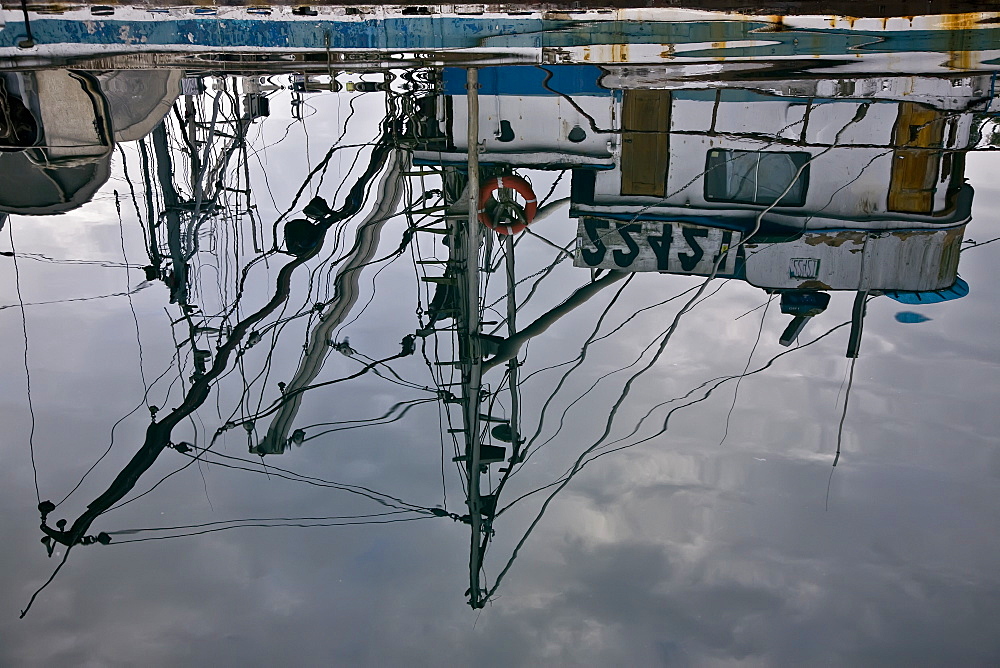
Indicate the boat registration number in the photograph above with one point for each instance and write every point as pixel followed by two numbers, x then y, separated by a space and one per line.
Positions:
pixel 675 248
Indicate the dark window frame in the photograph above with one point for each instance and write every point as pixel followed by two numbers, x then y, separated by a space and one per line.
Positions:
pixel 715 175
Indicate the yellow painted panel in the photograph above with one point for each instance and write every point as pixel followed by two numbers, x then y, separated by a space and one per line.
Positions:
pixel 646 149
pixel 915 163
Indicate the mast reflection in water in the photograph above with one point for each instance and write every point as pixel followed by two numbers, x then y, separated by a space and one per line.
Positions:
pixel 316 266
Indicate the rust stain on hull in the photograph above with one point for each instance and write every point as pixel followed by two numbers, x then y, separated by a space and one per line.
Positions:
pixel 836 240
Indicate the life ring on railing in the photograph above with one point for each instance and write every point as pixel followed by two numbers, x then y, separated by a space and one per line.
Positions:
pixel 504 214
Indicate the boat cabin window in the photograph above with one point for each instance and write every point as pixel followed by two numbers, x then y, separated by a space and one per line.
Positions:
pixel 756 177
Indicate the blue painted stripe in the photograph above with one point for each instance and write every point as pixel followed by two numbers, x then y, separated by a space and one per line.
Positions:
pixel 519 80
pixel 449 32
pixel 394 33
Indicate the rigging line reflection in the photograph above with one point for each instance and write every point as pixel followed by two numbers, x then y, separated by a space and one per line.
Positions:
pixel 27 369
pixel 223 460
pixel 628 384
pixel 754 309
pixel 308 180
pixel 606 375
pixel 408 348
pixel 105 264
pixel 158 433
pixel 541 275
pixel 736 390
pixel 131 532
pixel 68 300
pixel 976 244
pixel 131 305
pixel 510 346
pixel 578 361
pixel 549 242
pixel 299 525
pixel 840 431
pixel 299 438
pixel 592 340
pixel 714 384
pixel 607 429
pixel 717 382
pixel 399 380
pixel 144 401
pixel 519 453
pixel 636 313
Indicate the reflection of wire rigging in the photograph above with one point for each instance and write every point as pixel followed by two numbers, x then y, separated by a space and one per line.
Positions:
pixel 663 344
pixel 976 244
pixel 40 257
pixel 541 273
pixel 139 287
pixel 359 490
pixel 277 403
pixel 158 433
pixel 131 305
pixel 736 392
pixel 518 452
pixel 562 417
pixel 840 430
pixel 357 424
pixel 143 402
pixel 613 331
pixel 27 370
pixel 580 359
pixel 270 524
pixel 714 384
pixel 552 189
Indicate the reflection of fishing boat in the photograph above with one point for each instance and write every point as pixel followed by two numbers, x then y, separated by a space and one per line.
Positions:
pixel 298 38
pixel 592 137
pixel 56 141
pixel 740 158
pixel 216 344
pixel 915 261
pixel 60 126
pixel 668 173
pixel 523 121
pixel 814 187
pixel 856 153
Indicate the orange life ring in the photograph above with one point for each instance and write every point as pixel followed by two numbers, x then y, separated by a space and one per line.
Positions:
pixel 518 185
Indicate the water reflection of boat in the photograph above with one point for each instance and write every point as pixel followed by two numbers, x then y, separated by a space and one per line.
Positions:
pixel 730 152
pixel 175 225
pixel 864 154
pixel 285 38
pixel 62 126
pixel 57 142
pixel 622 147
pixel 817 187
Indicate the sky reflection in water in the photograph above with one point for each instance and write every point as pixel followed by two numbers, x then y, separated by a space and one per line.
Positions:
pixel 704 528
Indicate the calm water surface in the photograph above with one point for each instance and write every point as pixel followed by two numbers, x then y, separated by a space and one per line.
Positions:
pixel 751 330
